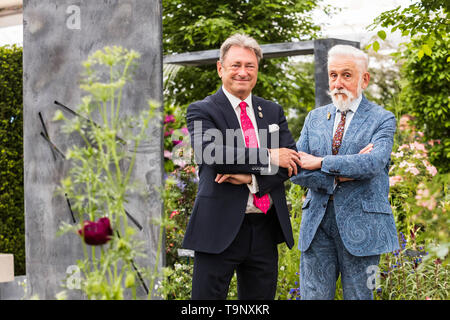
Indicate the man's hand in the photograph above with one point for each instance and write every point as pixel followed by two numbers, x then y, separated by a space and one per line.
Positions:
pixel 309 162
pixel 364 150
pixel 238 178
pixel 285 158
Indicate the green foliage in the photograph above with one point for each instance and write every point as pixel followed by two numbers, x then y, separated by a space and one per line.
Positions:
pixel 198 25
pixel 100 180
pixel 12 224
pixel 425 95
pixel 425 72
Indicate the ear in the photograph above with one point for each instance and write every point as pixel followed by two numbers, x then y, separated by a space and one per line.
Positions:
pixel 219 68
pixel 366 80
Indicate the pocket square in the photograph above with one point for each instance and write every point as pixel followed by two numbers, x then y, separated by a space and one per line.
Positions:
pixel 273 127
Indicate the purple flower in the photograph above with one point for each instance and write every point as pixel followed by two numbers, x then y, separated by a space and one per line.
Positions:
pixel 96 233
pixel 175 142
pixel 169 118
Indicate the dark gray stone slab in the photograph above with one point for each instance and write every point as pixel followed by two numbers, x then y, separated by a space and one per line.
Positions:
pixel 58 36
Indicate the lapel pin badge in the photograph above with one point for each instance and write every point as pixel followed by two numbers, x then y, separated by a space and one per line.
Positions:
pixel 328 115
pixel 260 114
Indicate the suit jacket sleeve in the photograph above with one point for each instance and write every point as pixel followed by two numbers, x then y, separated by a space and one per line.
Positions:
pixel 267 182
pixel 208 143
pixel 365 166
pixel 312 179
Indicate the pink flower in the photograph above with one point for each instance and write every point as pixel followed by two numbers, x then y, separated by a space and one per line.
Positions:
pixel 169 118
pixel 96 233
pixel 413 170
pixel 432 170
pixel 404 163
pixel 395 179
pixel 398 154
pixel 167 154
pixel 403 146
pixel 420 133
pixel 185 131
pixel 168 133
pixel 419 146
pixel 174 213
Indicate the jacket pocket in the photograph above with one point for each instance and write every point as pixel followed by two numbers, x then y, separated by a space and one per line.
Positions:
pixel 376 207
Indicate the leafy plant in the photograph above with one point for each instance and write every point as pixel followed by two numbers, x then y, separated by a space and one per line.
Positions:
pixel 100 182
pixel 425 73
pixel 12 217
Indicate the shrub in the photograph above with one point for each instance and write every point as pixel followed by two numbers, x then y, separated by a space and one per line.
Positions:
pixel 12 229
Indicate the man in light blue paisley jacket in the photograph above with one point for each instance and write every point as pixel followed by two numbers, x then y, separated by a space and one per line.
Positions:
pixel 345 149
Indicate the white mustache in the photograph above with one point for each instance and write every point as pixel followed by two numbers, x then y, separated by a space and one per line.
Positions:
pixel 336 91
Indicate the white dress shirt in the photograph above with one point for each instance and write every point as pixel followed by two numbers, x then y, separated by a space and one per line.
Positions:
pixel 350 113
pixel 253 187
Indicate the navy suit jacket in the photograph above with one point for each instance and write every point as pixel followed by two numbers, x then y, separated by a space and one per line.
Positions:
pixel 363 212
pixel 219 209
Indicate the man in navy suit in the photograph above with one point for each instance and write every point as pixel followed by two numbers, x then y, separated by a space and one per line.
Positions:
pixel 245 153
pixel 345 150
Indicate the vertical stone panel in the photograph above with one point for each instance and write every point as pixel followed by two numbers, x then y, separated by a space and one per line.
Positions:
pixel 58 36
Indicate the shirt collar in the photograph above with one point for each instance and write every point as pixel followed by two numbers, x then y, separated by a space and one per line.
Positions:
pixel 235 100
pixel 353 105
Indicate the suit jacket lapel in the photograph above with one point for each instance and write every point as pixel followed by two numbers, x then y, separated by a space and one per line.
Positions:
pixel 261 122
pixel 358 119
pixel 330 126
pixel 226 108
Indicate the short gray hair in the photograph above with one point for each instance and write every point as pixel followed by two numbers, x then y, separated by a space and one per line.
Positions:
pixel 240 40
pixel 362 59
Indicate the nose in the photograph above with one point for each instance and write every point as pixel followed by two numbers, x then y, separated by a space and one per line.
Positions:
pixel 242 72
pixel 338 84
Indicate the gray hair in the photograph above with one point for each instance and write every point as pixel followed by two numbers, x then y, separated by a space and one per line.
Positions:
pixel 361 58
pixel 240 40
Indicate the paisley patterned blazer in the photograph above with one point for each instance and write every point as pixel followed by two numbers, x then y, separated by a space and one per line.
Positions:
pixel 363 212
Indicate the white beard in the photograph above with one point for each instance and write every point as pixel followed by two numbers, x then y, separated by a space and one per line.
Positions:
pixel 338 99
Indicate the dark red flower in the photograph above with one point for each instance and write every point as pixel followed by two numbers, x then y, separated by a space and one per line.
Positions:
pixel 96 233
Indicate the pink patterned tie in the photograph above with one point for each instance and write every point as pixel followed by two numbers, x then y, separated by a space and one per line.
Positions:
pixel 262 203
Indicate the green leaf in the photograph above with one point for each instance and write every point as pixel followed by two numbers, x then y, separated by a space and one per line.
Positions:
pixel 382 34
pixel 420 54
pixel 427 50
pixel 376 46
pixel 368 46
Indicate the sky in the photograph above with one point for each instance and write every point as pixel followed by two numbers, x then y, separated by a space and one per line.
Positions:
pixel 355 15
pixel 349 24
